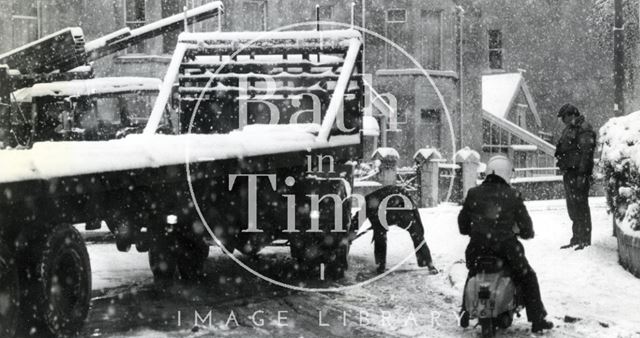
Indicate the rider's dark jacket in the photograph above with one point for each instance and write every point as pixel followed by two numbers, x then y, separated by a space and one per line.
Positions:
pixel 494 211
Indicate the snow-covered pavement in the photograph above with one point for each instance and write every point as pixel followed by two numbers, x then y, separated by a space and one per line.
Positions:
pixel 588 288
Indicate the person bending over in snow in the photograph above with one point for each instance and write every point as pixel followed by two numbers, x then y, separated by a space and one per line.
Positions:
pixel 408 220
pixel 494 215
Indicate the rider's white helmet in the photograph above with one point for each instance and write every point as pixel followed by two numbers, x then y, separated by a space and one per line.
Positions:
pixel 500 165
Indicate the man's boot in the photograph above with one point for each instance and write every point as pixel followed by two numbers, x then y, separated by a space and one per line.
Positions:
pixel 573 242
pixel 539 325
pixel 423 256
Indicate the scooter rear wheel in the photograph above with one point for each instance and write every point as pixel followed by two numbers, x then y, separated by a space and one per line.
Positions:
pixel 504 320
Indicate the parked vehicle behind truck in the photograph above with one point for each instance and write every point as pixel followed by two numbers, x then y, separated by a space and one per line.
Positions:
pixel 238 169
pixel 83 110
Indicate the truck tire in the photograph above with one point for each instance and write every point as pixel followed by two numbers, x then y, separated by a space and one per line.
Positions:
pixel 9 293
pixel 57 283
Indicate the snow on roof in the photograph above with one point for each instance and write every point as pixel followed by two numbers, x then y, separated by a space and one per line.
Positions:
pixel 97 86
pixel 499 91
pixel 60 159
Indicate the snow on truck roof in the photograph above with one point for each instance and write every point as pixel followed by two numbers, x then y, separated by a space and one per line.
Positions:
pixel 97 86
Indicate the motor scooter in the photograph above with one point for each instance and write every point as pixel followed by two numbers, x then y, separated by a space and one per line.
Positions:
pixel 491 296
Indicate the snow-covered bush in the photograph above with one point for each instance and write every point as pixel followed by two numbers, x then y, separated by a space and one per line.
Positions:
pixel 620 163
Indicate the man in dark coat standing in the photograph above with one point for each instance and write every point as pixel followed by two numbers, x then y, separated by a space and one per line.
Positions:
pixel 494 215
pixel 574 152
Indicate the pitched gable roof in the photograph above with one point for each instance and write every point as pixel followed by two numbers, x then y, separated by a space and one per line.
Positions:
pixel 499 92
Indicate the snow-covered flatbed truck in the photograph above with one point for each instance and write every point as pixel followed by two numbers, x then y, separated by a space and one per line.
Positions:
pixel 155 191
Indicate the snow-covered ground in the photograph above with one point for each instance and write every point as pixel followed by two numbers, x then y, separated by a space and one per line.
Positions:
pixel 588 288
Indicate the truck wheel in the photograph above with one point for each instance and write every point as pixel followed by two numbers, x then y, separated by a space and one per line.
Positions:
pixel 9 293
pixel 58 288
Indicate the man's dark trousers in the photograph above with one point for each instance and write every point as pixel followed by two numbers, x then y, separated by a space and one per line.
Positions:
pixel 576 187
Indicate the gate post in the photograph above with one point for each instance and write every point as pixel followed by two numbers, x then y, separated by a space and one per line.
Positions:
pixel 388 165
pixel 428 160
pixel 469 160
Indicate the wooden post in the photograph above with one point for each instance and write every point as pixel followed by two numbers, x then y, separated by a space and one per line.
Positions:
pixel 469 160
pixel 5 106
pixel 428 160
pixel 388 158
pixel 618 59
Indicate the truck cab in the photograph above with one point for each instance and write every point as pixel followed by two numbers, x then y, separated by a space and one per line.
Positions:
pixel 83 110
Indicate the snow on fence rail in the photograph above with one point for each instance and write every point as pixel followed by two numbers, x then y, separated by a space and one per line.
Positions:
pixel 534 173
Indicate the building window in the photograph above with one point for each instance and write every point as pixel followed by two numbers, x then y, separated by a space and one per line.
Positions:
pixel 431 39
pixel 396 31
pixel 326 13
pixel 254 16
pixel 170 39
pixel 134 17
pixel 25 20
pixel 397 15
pixel 134 13
pixel 495 49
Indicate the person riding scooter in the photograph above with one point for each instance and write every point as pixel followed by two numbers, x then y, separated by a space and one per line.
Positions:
pixel 494 215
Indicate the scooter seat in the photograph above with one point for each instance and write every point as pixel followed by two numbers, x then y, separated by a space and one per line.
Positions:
pixel 489 264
